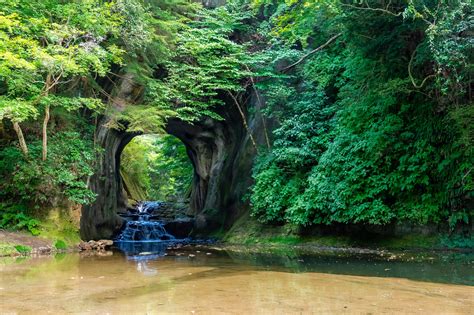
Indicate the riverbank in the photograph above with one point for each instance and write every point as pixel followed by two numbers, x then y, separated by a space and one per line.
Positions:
pixel 56 230
pixel 247 231
pixel 19 243
pixel 60 233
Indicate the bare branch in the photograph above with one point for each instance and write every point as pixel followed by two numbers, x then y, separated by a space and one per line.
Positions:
pixel 369 8
pixel 411 75
pixel 312 52
pixel 244 120
pixel 264 124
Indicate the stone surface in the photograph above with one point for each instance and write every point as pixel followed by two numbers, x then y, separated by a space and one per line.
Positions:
pixel 180 228
pixel 220 152
pixel 99 245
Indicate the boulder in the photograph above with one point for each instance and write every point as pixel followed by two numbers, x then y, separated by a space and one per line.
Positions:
pixel 99 245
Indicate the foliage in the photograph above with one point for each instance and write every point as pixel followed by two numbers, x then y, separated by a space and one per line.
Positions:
pixel 372 127
pixel 23 249
pixel 16 217
pixel 45 45
pixel 207 62
pixel 205 66
pixel 361 138
pixel 62 176
pixel 60 244
pixel 171 171
pixel 159 165
pixel 51 54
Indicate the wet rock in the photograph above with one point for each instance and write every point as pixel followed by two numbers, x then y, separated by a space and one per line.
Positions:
pixel 44 250
pixel 180 227
pixel 99 245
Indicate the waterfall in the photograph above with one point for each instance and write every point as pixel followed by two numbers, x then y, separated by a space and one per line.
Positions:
pixel 143 234
pixel 143 229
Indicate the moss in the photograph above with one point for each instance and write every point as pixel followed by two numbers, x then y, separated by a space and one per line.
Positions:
pixel 247 231
pixel 409 241
pixel 218 234
pixel 135 189
pixel 60 225
pixel 458 241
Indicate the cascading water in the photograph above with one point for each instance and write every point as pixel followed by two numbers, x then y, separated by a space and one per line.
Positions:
pixel 144 229
pixel 143 236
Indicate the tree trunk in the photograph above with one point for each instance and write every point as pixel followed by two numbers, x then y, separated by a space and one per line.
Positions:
pixel 21 138
pixel 45 132
pixel 46 119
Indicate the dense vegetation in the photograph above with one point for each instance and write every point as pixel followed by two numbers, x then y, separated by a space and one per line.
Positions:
pixel 156 167
pixel 377 126
pixel 372 101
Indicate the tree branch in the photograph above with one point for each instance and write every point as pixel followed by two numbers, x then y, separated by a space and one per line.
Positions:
pixel 257 94
pixel 312 52
pixel 411 75
pixel 244 120
pixel 369 8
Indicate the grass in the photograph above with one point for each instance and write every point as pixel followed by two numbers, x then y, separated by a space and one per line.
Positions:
pixel 23 249
pixel 7 249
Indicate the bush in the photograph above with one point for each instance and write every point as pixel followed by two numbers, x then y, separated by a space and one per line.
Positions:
pixel 358 141
pixel 16 218
pixel 23 249
pixel 62 175
pixel 60 244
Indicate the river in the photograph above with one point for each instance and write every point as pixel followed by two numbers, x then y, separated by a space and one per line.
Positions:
pixel 211 280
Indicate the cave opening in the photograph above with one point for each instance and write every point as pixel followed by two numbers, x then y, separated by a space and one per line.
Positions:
pixel 218 155
pixel 156 167
pixel 156 176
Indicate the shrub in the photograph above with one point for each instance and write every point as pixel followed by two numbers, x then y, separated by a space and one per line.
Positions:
pixel 15 217
pixel 60 244
pixel 23 249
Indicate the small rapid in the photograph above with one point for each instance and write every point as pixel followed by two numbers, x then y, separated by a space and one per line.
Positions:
pixel 144 235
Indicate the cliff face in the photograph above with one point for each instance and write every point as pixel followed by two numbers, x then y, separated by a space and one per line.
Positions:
pixel 221 153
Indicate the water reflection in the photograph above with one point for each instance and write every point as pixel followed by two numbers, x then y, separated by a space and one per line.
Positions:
pixel 213 281
pixel 143 267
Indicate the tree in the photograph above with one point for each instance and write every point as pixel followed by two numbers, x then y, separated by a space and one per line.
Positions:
pixel 47 47
pixel 370 130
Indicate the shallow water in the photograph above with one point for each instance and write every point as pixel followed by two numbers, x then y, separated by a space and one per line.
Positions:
pixel 216 281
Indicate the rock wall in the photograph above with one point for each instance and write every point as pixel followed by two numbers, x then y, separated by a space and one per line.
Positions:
pixel 220 152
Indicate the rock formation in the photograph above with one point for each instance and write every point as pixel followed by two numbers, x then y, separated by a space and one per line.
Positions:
pixel 220 152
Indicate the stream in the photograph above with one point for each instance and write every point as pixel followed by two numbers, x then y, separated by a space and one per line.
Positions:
pixel 150 271
pixel 207 280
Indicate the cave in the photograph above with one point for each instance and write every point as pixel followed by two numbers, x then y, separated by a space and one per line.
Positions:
pixel 221 154
pixel 156 167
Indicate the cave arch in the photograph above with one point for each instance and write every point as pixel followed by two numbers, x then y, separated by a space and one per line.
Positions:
pixel 220 152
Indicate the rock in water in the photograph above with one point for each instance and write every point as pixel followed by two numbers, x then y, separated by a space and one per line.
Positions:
pixel 99 245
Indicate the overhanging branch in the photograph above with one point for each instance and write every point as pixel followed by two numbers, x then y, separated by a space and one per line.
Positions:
pixel 312 52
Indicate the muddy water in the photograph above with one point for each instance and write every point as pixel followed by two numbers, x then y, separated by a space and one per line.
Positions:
pixel 236 283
